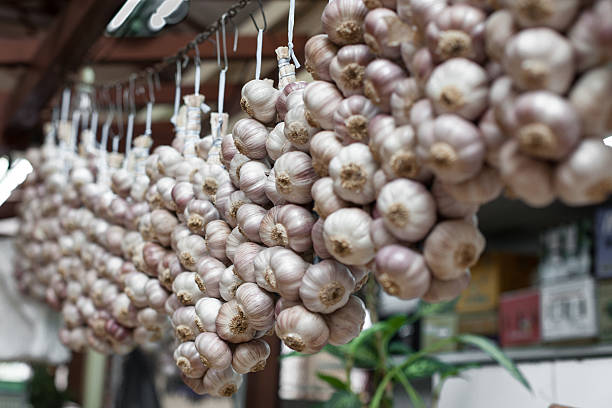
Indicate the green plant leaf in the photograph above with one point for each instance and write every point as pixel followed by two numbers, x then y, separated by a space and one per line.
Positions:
pixel 398 347
pixel 426 367
pixel 496 353
pixel 428 309
pixel 415 398
pixel 334 382
pixel 388 327
pixel 343 399
pixel 293 354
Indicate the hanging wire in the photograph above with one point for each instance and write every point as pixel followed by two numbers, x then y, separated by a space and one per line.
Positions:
pixel 260 32
pixel 150 102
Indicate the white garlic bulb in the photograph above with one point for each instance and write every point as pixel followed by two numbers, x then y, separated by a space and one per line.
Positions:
pixel 188 361
pixel 321 100
pixel 294 176
pixel 348 67
pixel 229 283
pixel 207 310
pixel 326 201
pixel 319 51
pixel 534 13
pixel 484 187
pixel 352 171
pixel 351 119
pixel 250 138
pixel 346 323
pixel 208 275
pixel 342 21
pixel 234 239
pixel 277 143
pixel 280 270
pixel 445 290
pixel 326 286
pixel 257 305
pixel 402 272
pixel 298 129
pixel 222 383
pixel 347 236
pixel 448 206
pixel 259 99
pixel 589 98
pixel 243 260
pixel 233 324
pixel 250 357
pixel 287 226
pixel 214 352
pixel 302 330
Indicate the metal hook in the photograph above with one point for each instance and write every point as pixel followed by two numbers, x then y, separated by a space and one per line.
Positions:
pixel 224 36
pixel 263 15
pixel 235 47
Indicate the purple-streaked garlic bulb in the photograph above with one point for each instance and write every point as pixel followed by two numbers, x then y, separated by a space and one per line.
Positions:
pixel 380 78
pixel 300 329
pixel 448 206
pixel 290 95
pixel 348 67
pixel 445 290
pixel 249 217
pixel 484 187
pixel 351 119
pixel 402 272
pixel 209 271
pixel 294 176
pixel 384 31
pixel 198 213
pixel 319 51
pixel 326 286
pixel 352 171
pixel 342 21
pixel 403 98
pixel 346 234
pixel 326 201
pixel 288 226
pixel 321 100
pixel 250 138
pixel 536 13
pixel 259 99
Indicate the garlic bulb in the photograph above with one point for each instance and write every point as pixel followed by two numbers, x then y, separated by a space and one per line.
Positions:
pixel 222 383
pixel 451 147
pixel 484 187
pixel 346 323
pixel 253 177
pixel 257 305
pixel 294 176
pixel 589 98
pixel 351 119
pixel 545 125
pixel 279 270
pixel 502 96
pixel 287 226
pixel 214 352
pixel 493 137
pixel 207 310
pixel 402 272
pixel 290 96
pixel 233 324
pixel 451 248
pixel 234 239
pixel 228 149
pixel 250 138
pixel 207 181
pixel 270 190
pixel 458 86
pixel 190 250
pixel 326 286
pixel 198 214
pixel 398 154
pixel 403 98
pixel 217 232
pixel 445 290
pixel 188 361
pixel 407 208
pixel 526 178
pixel 163 223
pixel 156 294
pixel 203 146
pixel 346 233
pixel 540 58
pixel 319 51
pixel 277 143
pixel 457 32
pixel 326 201
pixel 243 260
pixel 135 288
pixel 300 329
pixel 419 62
pixel 324 146
pixel 250 357
pixel 499 28
pixel 584 178
pixel 234 202
pixel 318 244
pixel 352 171
pixel 249 218
pixel 183 320
pixel 380 126
pixel 342 21
pixel 348 66
pixel 448 206
pixel 259 99
pixel 186 289
pixel 298 130
pixel 384 31
pixel 209 271
pixel 179 232
pixel 534 13
pixel 195 384
pixel 182 194
pixel 420 12
pixel 380 78
pixel 229 283
pixel 321 100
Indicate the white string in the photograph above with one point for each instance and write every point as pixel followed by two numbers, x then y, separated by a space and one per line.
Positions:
pixel 65 103
pixel 221 90
pixel 197 72
pixel 74 135
pixel 290 33
pixel 259 51
pixel 128 139
pixel 148 119
pixel 177 93
pixel 116 143
pixel 94 124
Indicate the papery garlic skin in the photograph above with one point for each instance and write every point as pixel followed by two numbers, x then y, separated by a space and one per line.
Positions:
pixel 198 213
pixel 250 138
pixel 250 357
pixel 584 178
pixel 540 58
pixel 446 290
pixel 351 119
pixel 324 146
pixel 249 218
pixel 346 233
pixel 483 188
pixel 280 270
pixel 217 232
pixel 207 310
pixel 499 28
pixel 259 99
pixel 352 171
pixel 187 360
pixel 451 248
pixel 546 125
pixel 290 96
pixel 277 143
pixel 458 86
pixel 321 100
pixel 398 154
pixel 451 148
pixel 243 260
pixel 342 21
pixel 420 12
pixel 457 32
pixel 379 128
pixel 318 244
pixel 326 286
pixel 222 383
pixel 384 31
pixel 448 206
pixel 234 239
pixel 257 305
pixel 402 272
pixel 298 129
pixel 407 208
pixel 555 14
pixel 493 136
pixel 403 98
pixel 380 78
pixel 209 272
pixel 326 201
pixel 229 283
pixel 302 330
pixel 346 323
pixel 233 324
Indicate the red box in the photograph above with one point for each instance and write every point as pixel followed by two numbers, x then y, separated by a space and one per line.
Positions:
pixel 519 318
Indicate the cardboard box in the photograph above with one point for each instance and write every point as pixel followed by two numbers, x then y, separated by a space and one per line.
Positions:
pixel 603 243
pixel 568 310
pixel 566 252
pixel 494 274
pixel 604 309
pixel 481 323
pixel 438 327
pixel 519 318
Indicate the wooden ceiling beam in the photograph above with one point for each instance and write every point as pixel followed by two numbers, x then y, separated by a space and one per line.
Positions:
pixel 61 51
